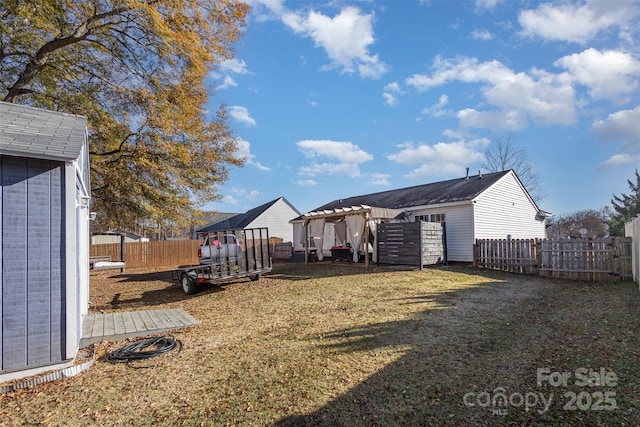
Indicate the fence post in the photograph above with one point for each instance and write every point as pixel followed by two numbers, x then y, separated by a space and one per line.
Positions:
pixel 122 252
pixel 475 253
pixel 537 255
pixel 616 265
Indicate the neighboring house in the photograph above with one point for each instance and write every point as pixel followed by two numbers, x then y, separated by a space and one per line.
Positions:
pixel 114 236
pixel 274 215
pixel 211 218
pixel 44 239
pixel 484 206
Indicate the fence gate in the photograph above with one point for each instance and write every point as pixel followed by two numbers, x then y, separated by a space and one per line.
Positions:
pixel 582 259
pixel 601 259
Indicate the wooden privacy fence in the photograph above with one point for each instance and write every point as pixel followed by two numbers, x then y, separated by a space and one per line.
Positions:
pixel 156 253
pixel 602 259
pixel 165 253
pixel 412 243
pixel 282 250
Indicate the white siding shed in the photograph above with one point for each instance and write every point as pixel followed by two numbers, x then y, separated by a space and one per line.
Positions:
pixel 44 238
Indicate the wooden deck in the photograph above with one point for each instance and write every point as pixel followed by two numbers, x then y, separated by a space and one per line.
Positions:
pixel 121 325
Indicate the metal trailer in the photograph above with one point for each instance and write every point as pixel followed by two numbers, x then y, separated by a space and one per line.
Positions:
pixel 252 260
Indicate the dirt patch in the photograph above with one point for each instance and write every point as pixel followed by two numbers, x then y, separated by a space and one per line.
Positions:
pixel 338 344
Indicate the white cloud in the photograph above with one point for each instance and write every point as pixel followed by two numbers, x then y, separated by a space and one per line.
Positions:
pixel 237 193
pixel 436 109
pixel 389 93
pixel 390 99
pixel 618 160
pixel 344 157
pixel 465 69
pixel 542 97
pixel 380 179
pixel 345 38
pixel 243 152
pixel 312 99
pixel 442 158
pixel 306 182
pixel 234 65
pixel 392 87
pixel 496 120
pixel 230 200
pixel 263 10
pixel 227 82
pixel 346 152
pixel 621 126
pixel 577 23
pixel 454 134
pixel 253 194
pixel 227 69
pixel 327 168
pixel 486 4
pixel 481 35
pixel 608 74
pixel 261 166
pixel 241 114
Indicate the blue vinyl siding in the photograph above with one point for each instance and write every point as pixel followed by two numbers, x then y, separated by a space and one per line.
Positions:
pixel 33 245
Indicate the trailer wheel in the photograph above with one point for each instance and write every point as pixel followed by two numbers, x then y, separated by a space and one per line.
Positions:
pixel 188 284
pixel 254 277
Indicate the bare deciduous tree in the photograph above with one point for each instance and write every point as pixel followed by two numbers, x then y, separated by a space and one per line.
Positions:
pixel 504 154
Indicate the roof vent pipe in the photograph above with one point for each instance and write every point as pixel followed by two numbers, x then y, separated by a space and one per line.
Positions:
pixel 467 177
pixel 480 173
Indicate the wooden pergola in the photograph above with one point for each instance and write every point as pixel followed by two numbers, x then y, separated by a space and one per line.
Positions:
pixel 338 214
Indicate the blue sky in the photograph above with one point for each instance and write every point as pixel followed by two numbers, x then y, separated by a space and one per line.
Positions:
pixel 340 98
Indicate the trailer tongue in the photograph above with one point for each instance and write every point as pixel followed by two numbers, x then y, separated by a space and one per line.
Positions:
pixel 247 255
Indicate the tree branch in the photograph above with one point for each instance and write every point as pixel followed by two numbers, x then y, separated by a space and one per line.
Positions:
pixel 117 150
pixel 39 60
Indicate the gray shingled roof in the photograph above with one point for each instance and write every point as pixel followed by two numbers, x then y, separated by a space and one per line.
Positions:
pixel 34 132
pixel 453 190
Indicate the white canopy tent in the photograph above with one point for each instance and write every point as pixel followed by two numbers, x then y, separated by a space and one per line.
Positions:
pixel 353 225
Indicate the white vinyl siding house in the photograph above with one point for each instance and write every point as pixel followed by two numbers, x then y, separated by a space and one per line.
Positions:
pixel 276 219
pixel 458 227
pixel 490 206
pixel 505 210
pixel 274 215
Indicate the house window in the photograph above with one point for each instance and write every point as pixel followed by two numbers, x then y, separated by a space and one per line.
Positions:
pixel 431 217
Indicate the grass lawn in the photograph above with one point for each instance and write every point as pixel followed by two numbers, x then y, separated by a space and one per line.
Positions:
pixel 341 345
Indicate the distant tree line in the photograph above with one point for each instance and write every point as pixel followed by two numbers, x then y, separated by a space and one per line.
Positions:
pixel 608 221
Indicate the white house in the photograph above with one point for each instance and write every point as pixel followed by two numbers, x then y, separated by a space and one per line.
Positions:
pixel 484 206
pixel 44 239
pixel 274 215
